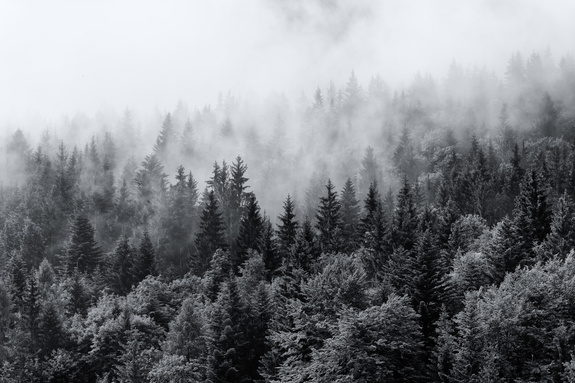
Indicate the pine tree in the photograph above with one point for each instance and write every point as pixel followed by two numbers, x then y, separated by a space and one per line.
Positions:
pixel 179 223
pixel 349 217
pixel 375 234
pixel 51 333
pixel 238 198
pixel 561 238
pixel 121 276
pixel 370 172
pixel 210 236
pixel 405 220
pixel 328 224
pixel 145 263
pixel 227 341
pixel 268 247
pixel 531 220
pixel 83 253
pixel 165 137
pixel 287 228
pixel 186 143
pixel 250 232
pixel 306 251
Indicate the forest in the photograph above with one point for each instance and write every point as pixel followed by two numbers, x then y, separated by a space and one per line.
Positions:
pixel 358 234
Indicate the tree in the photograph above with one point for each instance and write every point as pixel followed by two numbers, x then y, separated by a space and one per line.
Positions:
pixel 145 263
pixel 328 218
pixel 250 232
pixel 186 336
pixel 561 237
pixel 226 341
pixel 165 137
pixel 83 254
pixel 370 172
pixel 405 220
pixel 287 228
pixel 122 272
pixel 531 220
pixel 349 217
pixel 238 198
pixel 210 236
pixel 381 343
pixel 179 223
pixel 268 247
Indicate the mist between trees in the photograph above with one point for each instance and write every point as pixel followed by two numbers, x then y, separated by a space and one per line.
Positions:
pixel 359 233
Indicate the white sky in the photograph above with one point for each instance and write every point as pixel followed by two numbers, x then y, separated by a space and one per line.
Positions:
pixel 62 56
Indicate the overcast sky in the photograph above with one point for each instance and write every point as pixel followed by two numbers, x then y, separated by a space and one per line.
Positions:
pixel 62 56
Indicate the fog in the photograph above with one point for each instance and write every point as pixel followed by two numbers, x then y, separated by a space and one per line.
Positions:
pixel 63 57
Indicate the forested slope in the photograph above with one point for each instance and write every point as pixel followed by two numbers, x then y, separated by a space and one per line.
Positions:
pixel 365 235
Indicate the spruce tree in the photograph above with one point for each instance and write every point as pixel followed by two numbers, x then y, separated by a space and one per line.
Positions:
pixel 328 217
pixel 405 220
pixel 287 228
pixel 250 232
pixel 165 138
pixel 268 247
pixel 210 236
pixel 531 221
pixel 238 198
pixel 83 253
pixel 306 251
pixel 561 238
pixel 349 217
pixel 121 275
pixel 227 341
pixel 145 263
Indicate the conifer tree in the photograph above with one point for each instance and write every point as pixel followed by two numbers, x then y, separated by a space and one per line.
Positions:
pixel 370 172
pixel 210 235
pixel 83 253
pixel 349 217
pixel 165 137
pixel 306 251
pixel 531 221
pixel 561 238
pixel 227 341
pixel 328 217
pixel 121 276
pixel 268 247
pixel 287 228
pixel 405 220
pixel 238 198
pixel 250 232
pixel 145 263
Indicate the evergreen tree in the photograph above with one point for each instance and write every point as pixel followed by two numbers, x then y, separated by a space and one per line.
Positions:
pixel 531 221
pixel 370 172
pixel 165 137
pixel 145 263
pixel 268 248
pixel 83 253
pixel 405 220
pixel 51 333
pixel 238 199
pixel 250 232
pixel 227 340
pixel 210 236
pixel 121 275
pixel 306 251
pixel 179 223
pixel 328 217
pixel 287 228
pixel 349 217
pixel 561 238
